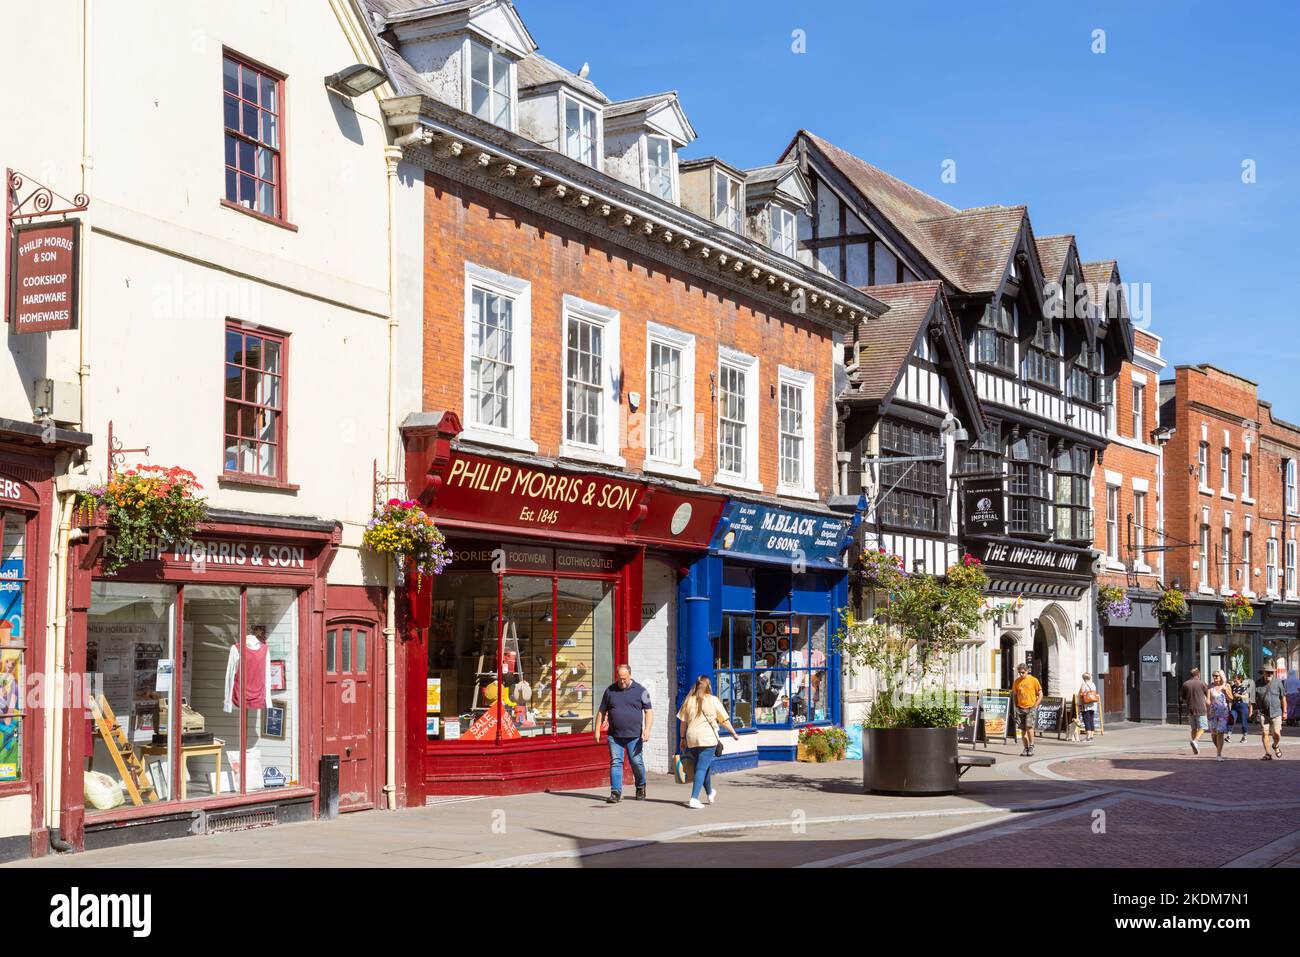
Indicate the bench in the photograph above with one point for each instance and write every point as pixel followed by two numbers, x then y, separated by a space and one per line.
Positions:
pixel 967 761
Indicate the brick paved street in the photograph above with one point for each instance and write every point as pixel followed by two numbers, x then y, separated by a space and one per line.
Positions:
pixel 1161 805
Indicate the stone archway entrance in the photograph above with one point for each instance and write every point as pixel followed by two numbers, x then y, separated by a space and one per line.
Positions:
pixel 1053 636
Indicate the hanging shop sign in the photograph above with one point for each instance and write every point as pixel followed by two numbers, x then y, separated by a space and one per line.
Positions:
pixel 1030 557
pixel 982 507
pixel 767 534
pixel 43 264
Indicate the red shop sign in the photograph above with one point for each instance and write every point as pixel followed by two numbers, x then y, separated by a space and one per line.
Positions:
pixel 43 276
pixel 677 520
pixel 474 490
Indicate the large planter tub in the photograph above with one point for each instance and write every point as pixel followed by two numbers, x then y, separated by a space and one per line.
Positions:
pixel 909 760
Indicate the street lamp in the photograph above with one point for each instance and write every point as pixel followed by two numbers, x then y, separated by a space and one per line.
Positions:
pixel 355 80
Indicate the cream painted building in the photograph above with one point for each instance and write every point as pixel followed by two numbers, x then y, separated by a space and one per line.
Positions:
pixel 244 312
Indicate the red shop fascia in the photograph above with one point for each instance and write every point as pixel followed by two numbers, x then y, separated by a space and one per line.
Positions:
pixel 510 515
pixel 239 551
pixel 30 459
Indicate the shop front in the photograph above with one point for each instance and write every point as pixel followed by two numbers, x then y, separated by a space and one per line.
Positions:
pixel 508 651
pixel 759 617
pixel 1279 645
pixel 1132 676
pixel 1205 639
pixel 203 671
pixel 29 462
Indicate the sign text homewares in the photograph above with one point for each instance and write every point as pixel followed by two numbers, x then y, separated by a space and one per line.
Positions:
pixel 43 276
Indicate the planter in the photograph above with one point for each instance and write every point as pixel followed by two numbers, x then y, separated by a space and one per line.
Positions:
pixel 909 760
pixel 803 754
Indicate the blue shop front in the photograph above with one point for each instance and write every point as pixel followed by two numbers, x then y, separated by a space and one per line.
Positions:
pixel 759 614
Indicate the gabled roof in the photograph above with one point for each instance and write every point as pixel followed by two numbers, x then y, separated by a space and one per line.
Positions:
pixel 454 15
pixel 1054 253
pixel 1104 283
pixel 649 109
pixel 782 180
pixel 975 245
pixel 536 71
pixel 888 343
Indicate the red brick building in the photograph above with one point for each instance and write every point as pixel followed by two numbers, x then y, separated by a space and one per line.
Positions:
pixel 1231 513
pixel 1129 528
pixel 627 425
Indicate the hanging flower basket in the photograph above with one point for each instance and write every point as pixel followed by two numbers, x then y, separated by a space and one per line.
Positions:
pixel 1236 609
pixel 880 569
pixel 402 530
pixel 144 509
pixel 1113 602
pixel 1171 607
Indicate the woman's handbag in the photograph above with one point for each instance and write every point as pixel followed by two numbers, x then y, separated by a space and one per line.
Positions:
pixel 717 748
pixel 681 772
pixel 1090 697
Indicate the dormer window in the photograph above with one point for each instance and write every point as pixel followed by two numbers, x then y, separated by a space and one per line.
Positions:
pixel 489 86
pixel 783 231
pixel 579 131
pixel 1043 356
pixel 659 167
pixel 728 201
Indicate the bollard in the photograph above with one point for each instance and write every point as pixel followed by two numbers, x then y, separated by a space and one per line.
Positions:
pixel 329 787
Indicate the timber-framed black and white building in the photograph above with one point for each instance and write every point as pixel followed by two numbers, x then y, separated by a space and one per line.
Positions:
pixel 1013 315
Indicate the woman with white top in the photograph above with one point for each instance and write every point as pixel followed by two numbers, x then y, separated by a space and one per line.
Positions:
pixel 1088 697
pixel 700 716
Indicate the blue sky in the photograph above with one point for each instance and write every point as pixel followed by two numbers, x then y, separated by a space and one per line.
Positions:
pixel 1138 151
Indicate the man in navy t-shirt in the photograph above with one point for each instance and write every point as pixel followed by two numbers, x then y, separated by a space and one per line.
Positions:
pixel 627 704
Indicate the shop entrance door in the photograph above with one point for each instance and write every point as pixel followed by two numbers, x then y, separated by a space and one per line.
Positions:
pixel 1114 679
pixel 349 710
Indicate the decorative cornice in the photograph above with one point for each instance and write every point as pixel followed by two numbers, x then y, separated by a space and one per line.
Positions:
pixel 609 209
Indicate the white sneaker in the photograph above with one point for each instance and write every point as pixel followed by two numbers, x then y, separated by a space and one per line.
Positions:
pixel 694 803
pixel 1220 758
pixel 1196 748
pixel 713 796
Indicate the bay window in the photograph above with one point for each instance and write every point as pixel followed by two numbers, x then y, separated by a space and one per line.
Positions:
pixel 1042 356
pixel 1030 503
pixel 995 341
pixel 918 490
pixel 1073 493
pixel 1087 382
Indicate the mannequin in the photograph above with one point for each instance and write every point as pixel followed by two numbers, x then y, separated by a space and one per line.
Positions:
pixel 257 659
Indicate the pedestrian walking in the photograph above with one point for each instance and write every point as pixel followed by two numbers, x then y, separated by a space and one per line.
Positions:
pixel 1195 694
pixel 1028 695
pixel 631 716
pixel 1243 694
pixel 1220 716
pixel 701 715
pixel 1272 713
pixel 1089 701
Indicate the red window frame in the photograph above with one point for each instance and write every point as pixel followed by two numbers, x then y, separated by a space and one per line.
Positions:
pixel 266 136
pixel 241 401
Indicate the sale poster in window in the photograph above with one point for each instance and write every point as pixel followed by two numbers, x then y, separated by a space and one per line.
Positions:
pixel 11 602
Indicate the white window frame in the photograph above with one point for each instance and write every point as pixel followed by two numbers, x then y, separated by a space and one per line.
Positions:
pixel 803 381
pixel 685 343
pixel 1112 523
pixel 720 179
pixel 784 242
pixel 1245 476
pixel 672 166
pixel 1225 556
pixel 1139 399
pixel 1248 557
pixel 1203 558
pixel 611 430
pixel 1140 529
pixel 1290 569
pixel 748 366
pixel 511 94
pixel 597 147
pixel 520 291
pixel 1270 563
pixel 1225 472
pixel 1291 486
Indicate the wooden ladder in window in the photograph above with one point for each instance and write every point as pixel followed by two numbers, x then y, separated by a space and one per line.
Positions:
pixel 119 747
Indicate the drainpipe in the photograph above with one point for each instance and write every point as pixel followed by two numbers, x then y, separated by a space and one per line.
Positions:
pixel 392 157
pixel 58 702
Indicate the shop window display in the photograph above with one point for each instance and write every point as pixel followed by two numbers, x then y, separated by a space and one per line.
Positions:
pixel 771 668
pixel 13 646
pixel 237 691
pixel 556 655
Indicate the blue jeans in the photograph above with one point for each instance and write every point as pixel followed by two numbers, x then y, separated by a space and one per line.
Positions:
pixel 1240 712
pixel 703 758
pixel 617 746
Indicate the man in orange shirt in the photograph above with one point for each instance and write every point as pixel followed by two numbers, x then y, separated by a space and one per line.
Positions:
pixel 1028 695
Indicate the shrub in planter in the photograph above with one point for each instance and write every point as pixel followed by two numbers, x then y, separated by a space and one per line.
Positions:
pixel 143 509
pixel 402 530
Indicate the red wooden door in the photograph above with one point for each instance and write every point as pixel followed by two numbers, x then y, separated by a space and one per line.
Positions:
pixel 349 710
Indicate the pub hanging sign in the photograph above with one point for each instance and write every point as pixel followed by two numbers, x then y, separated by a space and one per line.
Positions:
pixel 982 507
pixel 43 270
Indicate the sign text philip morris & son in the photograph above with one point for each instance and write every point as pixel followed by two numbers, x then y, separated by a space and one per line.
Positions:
pixel 43 277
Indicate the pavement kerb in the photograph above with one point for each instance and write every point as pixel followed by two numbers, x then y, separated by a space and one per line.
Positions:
pixel 676 834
